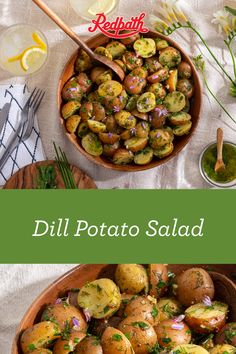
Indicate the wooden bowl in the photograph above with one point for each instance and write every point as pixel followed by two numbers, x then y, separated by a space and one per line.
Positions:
pixel 180 142
pixel 81 274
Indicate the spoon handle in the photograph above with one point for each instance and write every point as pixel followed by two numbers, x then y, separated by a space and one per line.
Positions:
pixel 219 144
pixel 50 13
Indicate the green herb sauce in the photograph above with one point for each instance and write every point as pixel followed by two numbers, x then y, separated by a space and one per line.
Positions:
pixel 229 158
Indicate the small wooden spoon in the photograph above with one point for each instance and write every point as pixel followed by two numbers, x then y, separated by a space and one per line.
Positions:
pixel 219 166
pixel 97 58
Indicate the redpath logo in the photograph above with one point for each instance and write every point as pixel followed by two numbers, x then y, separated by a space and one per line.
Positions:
pixel 119 28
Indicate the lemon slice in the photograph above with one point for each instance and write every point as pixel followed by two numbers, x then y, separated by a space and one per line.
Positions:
pixel 99 6
pixel 39 41
pixel 30 57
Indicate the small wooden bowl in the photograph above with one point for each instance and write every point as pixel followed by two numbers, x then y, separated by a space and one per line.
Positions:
pixel 180 142
pixel 81 274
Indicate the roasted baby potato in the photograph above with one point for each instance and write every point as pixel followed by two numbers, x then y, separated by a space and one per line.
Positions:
pixel 158 277
pixel 223 349
pixel 146 102
pixel 110 89
pixel 161 43
pixel 152 64
pixel 89 345
pixel 101 298
pixel 145 47
pixel 98 326
pixel 171 333
pixel 144 156
pixel 140 115
pixel 63 314
pixel 206 319
pixel 131 278
pixel 179 118
pixel 170 57
pixel 158 116
pixel 109 138
pixel 134 84
pixel 125 119
pixel 175 101
pixel 114 341
pixel 122 157
pixel 136 144
pixel 144 307
pixel 141 334
pixel 70 108
pixel 227 334
pixel 159 76
pixel 83 62
pixel 72 123
pixel 116 49
pixel 41 351
pixel 95 126
pixel 82 130
pixel 189 348
pixel 193 285
pixel 132 103
pixel 110 149
pixel 99 75
pixel 131 60
pixel 164 151
pixel 184 70
pixel 92 144
pixel 180 130
pixel 158 90
pixel 104 52
pixel 67 345
pixel 129 40
pixel 186 87
pixel 159 137
pixel 72 91
pixel 40 335
pixel 142 129
pixel 84 82
pixel 168 308
pixel 118 103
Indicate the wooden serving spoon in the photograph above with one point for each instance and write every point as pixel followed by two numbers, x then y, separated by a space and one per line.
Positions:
pixel 219 166
pixel 97 58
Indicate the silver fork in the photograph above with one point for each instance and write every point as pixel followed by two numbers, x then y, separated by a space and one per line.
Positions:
pixel 25 127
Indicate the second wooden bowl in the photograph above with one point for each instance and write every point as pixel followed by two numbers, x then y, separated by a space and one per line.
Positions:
pixel 180 142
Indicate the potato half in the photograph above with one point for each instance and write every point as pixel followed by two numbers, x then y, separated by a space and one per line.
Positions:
pixel 171 333
pixel 114 341
pixel 131 278
pixel 100 297
pixel 189 349
pixel 223 349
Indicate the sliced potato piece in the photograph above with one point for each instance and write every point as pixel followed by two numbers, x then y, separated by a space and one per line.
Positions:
pixel 110 149
pixel 145 47
pixel 144 156
pixel 116 49
pixel 180 118
pixel 164 151
pixel 104 52
pixel 159 76
pixel 72 123
pixel 70 108
pixel 86 111
pixel 189 349
pixel 169 333
pixel 223 349
pixel 109 138
pixel 161 43
pixel 110 89
pixel 132 103
pixel 168 308
pixel 66 346
pixel 207 319
pixel 125 119
pixel 118 103
pixel 171 82
pixel 146 102
pixel 92 144
pixel 83 62
pixel 83 129
pixel 143 306
pixel 95 126
pixel 99 75
pixel 39 335
pixel 114 341
pixel 89 345
pixel 100 297
pixel 170 57
pixel 136 144
pixel 158 90
pixel 158 275
pixel 140 115
pixel 131 60
pixel 186 87
pixel 180 130
pixel 175 101
pixel 123 157
pixel 142 129
pixel 185 70
pixel 159 138
pixel 131 278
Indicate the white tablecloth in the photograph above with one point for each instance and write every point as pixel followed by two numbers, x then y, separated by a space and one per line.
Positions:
pixel 180 172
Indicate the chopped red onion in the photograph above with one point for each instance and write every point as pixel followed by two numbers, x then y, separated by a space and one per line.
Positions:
pixel 87 315
pixel 116 109
pixel 178 326
pixel 131 87
pixel 207 301
pixel 178 319
pixel 58 301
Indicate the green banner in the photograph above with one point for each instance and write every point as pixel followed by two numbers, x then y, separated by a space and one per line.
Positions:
pixel 115 226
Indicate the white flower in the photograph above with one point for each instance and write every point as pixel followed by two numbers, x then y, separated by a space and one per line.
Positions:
pixel 223 21
pixel 158 23
pixel 171 11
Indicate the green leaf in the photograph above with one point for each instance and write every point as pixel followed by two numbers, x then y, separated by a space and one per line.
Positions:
pixel 231 10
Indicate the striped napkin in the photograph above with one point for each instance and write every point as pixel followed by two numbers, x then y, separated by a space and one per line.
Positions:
pixel 28 151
